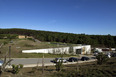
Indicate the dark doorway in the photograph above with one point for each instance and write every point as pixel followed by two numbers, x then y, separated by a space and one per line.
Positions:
pixel 78 51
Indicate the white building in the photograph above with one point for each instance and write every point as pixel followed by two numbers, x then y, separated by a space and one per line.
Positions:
pixel 83 49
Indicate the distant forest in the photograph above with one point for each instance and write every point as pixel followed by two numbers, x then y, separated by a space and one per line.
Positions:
pixel 94 40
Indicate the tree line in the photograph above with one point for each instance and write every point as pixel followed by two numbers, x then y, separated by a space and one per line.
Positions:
pixel 94 40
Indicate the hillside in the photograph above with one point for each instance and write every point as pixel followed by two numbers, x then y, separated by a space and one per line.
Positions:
pixel 94 40
pixel 17 45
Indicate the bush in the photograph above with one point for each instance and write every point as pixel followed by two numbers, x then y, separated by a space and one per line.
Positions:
pixel 16 68
pixel 58 65
pixel 101 58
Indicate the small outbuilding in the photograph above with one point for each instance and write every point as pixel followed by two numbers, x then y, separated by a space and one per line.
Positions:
pixel 24 36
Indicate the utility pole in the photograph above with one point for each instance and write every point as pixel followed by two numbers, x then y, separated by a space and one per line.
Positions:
pixel 43 66
pixel 9 53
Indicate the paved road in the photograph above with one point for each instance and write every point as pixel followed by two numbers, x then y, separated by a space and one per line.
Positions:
pixel 30 60
pixel 33 60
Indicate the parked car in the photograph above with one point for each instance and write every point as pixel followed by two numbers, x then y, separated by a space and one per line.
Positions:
pixel 95 53
pixel 59 60
pixel 72 59
pixel 114 55
pixel 1 62
pixel 85 58
pixel 92 57
pixel 108 55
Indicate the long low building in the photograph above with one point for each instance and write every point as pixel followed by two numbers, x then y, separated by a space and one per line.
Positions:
pixel 82 49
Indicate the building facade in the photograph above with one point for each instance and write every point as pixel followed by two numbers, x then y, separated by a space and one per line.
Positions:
pixel 83 49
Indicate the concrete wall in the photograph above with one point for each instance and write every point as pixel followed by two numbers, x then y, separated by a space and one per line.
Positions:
pixel 49 50
pixel 86 49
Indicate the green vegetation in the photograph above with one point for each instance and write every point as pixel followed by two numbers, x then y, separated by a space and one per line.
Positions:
pixel 17 45
pixel 107 69
pixel 59 65
pixel 5 63
pixel 48 40
pixel 94 40
pixel 89 69
pixel 101 58
pixel 9 36
pixel 16 68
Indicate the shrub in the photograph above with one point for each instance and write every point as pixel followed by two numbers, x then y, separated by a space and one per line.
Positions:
pixel 101 58
pixel 58 65
pixel 16 68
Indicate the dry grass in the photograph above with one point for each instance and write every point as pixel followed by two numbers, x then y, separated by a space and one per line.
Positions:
pixel 90 69
pixel 25 44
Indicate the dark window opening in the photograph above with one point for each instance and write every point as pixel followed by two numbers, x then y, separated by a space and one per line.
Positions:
pixel 78 51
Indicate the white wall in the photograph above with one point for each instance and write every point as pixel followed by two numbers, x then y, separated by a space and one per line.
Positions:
pixel 49 50
pixel 87 49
